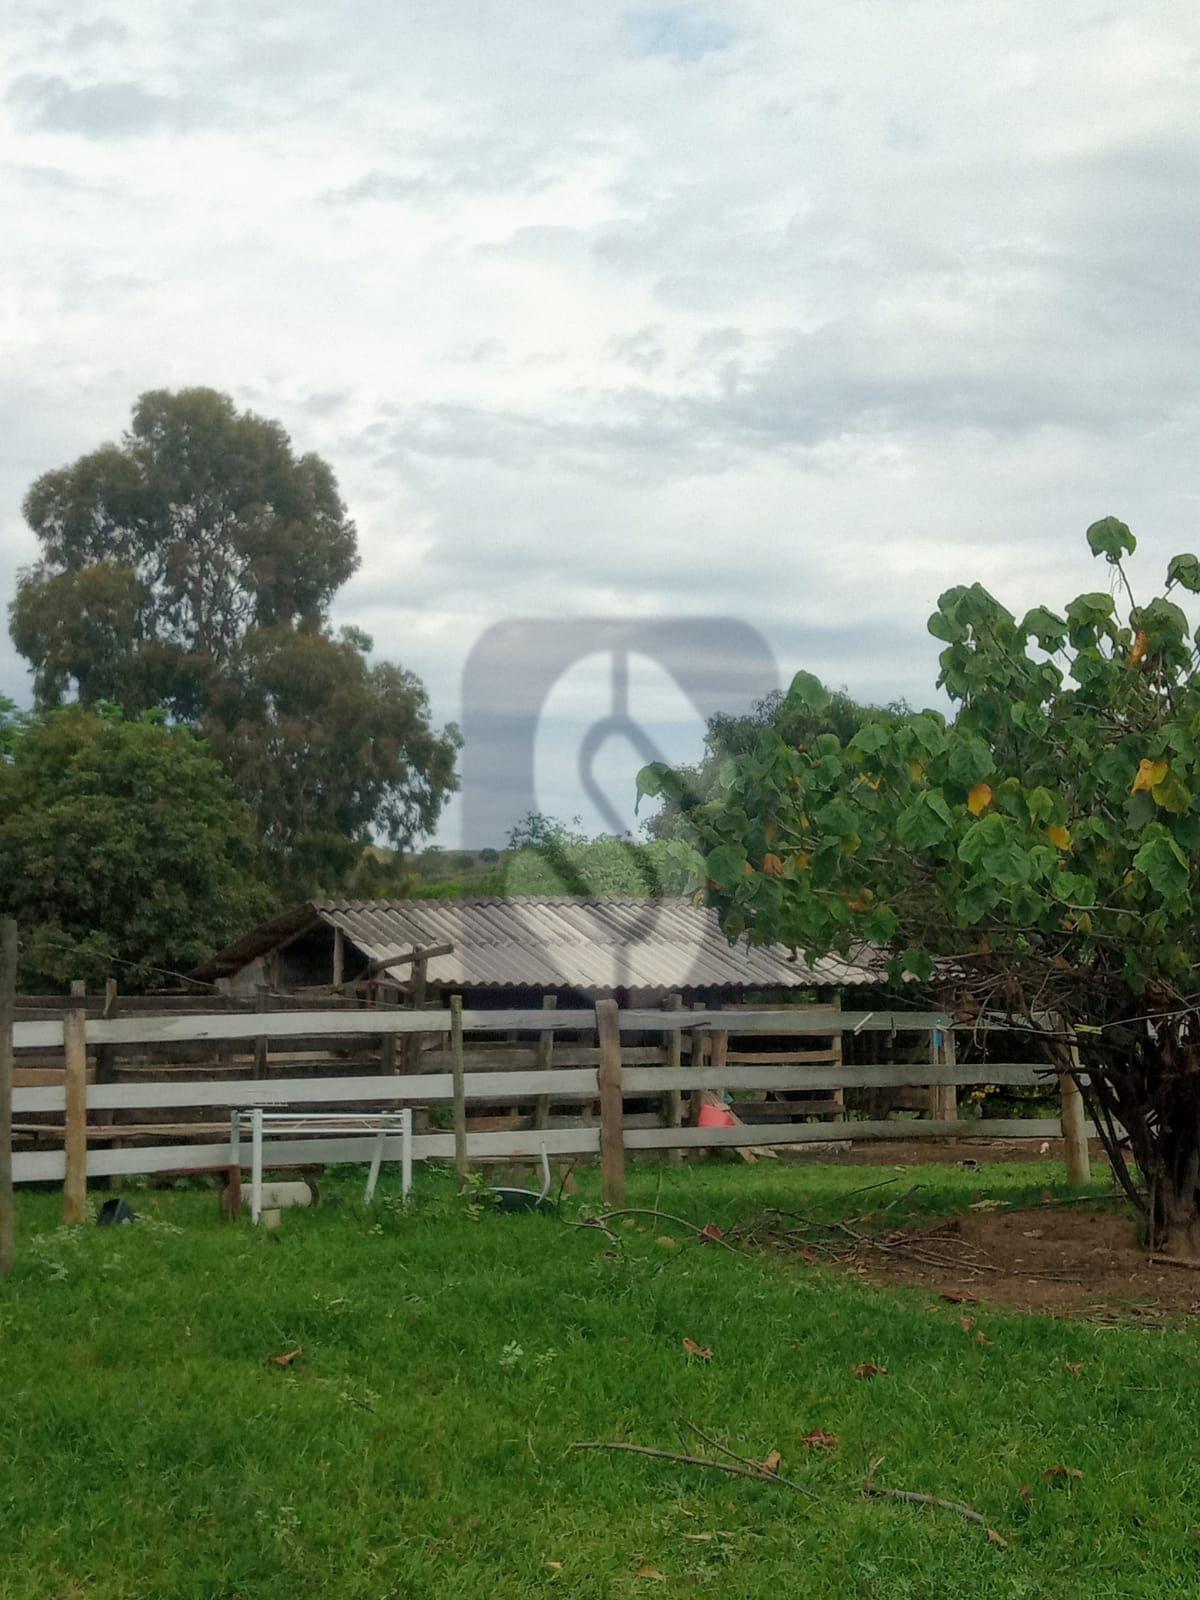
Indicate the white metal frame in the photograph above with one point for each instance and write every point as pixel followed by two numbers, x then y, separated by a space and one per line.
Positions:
pixel 384 1125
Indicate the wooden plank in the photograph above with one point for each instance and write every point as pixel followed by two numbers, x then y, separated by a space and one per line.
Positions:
pixel 345 1023
pixel 839 1094
pixel 75 1091
pixel 782 1058
pixel 488 1058
pixel 545 1060
pixel 608 1079
pixel 672 1100
pixel 787 1023
pixel 785 1110
pixel 822 1132
pixel 49 1166
pixel 561 1082
pixel 291 1025
pixel 867 1075
pixel 462 1165
pixel 8 997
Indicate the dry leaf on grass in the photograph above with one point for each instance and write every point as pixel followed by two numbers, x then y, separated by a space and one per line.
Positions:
pixel 966 1323
pixel 698 1538
pixel 958 1297
pixel 555 1566
pixel 666 1241
pixel 983 1205
pixel 1075 1367
pixel 982 1340
pixel 652 1573
pixel 868 1369
pixel 997 1538
pixel 286 1359
pixel 821 1439
pixel 1062 1472
pixel 1025 1492
pixel 700 1351
pixel 711 1232
pixel 772 1461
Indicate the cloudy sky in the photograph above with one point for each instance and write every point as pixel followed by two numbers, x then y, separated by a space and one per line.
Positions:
pixel 789 314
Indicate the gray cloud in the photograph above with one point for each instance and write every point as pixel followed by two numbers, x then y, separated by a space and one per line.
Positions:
pixel 682 32
pixel 98 110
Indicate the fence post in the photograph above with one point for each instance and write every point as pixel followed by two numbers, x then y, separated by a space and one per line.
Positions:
pixel 835 1046
pixel 612 1131
pixel 545 1060
pixel 262 1057
pixel 672 1100
pixel 943 1097
pixel 8 995
pixel 75 1132
pixel 1079 1161
pixel 462 1165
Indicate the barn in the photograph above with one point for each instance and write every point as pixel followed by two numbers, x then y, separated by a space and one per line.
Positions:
pixel 516 951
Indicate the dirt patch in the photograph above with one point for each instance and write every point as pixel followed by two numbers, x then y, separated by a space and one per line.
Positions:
pixel 1079 1261
pixel 922 1152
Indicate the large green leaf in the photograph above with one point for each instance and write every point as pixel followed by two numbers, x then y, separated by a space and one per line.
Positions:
pixel 726 865
pixel 1162 861
pixel 1111 537
pixel 807 691
pixel 971 762
pixel 1185 570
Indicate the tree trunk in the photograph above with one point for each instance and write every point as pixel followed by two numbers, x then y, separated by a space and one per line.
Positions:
pixel 1148 1083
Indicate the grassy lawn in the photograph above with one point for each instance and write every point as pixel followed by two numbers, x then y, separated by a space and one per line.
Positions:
pixel 418 1446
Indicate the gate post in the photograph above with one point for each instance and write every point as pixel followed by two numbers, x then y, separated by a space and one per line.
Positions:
pixel 612 1113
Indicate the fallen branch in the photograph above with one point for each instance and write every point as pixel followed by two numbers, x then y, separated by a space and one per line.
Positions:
pixel 680 1222
pixel 1173 1261
pixel 755 1468
pixel 912 1497
pixel 751 1471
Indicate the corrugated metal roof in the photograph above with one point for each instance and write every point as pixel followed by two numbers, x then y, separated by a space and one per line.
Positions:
pixel 591 944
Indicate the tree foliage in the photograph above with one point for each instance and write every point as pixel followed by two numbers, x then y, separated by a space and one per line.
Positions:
pixel 727 736
pixel 190 567
pixel 546 857
pixel 1039 851
pixel 124 850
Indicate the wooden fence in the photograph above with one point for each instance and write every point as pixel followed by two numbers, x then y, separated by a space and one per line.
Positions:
pixel 608 1075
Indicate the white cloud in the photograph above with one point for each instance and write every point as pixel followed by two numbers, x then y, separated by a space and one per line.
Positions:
pixel 795 313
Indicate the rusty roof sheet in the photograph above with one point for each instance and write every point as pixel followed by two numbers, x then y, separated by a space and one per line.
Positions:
pixel 593 944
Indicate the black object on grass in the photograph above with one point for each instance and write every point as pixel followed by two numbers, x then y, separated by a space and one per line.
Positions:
pixel 115 1212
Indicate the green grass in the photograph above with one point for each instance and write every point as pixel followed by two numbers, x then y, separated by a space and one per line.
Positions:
pixel 418 1446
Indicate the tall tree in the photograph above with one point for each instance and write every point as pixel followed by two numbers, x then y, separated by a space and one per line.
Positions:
pixel 123 849
pixel 191 567
pixel 1039 855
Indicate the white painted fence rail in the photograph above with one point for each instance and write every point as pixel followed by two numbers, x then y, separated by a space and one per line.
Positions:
pixel 224 1026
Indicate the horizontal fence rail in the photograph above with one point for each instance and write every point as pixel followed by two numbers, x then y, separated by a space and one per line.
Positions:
pixel 215 1028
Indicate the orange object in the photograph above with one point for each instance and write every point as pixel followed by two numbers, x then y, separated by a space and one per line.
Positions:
pixel 716 1117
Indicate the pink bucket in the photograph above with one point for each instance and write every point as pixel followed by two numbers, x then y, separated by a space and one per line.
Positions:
pixel 715 1117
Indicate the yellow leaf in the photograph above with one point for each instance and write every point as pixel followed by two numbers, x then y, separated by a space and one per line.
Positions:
pixel 916 769
pixel 1140 641
pixel 801 861
pixel 979 799
pixel 1059 837
pixel 1149 775
pixel 772 865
